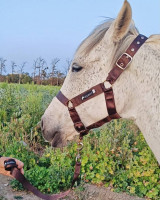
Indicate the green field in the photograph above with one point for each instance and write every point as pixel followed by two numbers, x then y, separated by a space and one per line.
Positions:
pixel 115 155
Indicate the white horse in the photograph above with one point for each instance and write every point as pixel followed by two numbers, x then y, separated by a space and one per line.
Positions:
pixel 137 90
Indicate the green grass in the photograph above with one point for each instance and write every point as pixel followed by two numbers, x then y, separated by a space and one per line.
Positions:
pixel 115 155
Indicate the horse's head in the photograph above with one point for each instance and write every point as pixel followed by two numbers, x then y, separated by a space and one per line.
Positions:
pixel 92 62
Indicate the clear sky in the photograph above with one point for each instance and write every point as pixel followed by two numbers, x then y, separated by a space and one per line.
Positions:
pixel 54 28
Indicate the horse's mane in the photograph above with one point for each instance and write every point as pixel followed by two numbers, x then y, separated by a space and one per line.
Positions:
pixel 98 33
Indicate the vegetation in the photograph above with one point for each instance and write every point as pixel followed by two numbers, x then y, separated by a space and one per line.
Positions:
pixel 115 155
pixel 43 74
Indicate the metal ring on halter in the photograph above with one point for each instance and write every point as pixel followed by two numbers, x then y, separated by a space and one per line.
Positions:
pixel 78 158
pixel 70 104
pixel 107 85
pixel 81 146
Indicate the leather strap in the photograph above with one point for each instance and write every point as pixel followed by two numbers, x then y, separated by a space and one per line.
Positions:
pixel 125 59
pixel 76 172
pixel 62 98
pixel 26 184
pixel 110 102
pixel 78 125
pixel 83 97
pixel 99 123
pixel 87 95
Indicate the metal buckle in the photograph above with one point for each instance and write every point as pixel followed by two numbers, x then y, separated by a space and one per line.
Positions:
pixel 128 56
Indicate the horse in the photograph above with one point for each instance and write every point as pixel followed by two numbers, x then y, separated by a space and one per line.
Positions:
pixel 136 91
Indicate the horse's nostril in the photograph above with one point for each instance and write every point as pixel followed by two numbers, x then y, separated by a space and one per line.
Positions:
pixel 42 125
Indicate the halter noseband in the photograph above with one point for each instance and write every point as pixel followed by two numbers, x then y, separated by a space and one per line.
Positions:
pixel 121 64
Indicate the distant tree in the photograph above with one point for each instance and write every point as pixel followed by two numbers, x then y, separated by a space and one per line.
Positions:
pixel 21 70
pixel 2 66
pixel 26 78
pixel 13 78
pixel 34 69
pixel 39 65
pixel 67 66
pixel 13 65
pixel 44 74
pixel 53 72
pixel 60 77
pixel 2 69
pixel 21 67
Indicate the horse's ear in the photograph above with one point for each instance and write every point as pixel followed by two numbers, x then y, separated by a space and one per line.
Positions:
pixel 122 22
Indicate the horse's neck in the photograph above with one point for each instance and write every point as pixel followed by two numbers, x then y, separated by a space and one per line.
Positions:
pixel 145 74
pixel 137 94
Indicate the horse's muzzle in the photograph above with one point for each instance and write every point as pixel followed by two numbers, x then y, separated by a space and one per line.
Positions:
pixel 52 136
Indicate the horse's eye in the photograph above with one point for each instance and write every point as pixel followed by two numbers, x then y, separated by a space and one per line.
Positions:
pixel 76 68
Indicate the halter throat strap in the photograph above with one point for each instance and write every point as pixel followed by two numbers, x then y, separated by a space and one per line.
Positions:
pixel 121 64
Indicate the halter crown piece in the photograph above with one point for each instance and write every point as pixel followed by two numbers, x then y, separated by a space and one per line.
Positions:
pixel 121 64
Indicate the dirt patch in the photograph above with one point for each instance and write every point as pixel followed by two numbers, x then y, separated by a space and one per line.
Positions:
pixel 90 192
pixel 7 193
pixel 93 192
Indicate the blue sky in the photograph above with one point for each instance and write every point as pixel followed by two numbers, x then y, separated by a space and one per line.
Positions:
pixel 54 28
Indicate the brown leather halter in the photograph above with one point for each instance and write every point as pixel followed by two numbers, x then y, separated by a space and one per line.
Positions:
pixel 121 64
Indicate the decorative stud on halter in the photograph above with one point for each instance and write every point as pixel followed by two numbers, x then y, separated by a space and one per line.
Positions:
pixel 88 94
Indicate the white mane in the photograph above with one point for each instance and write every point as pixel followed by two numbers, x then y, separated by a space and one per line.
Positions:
pixel 98 33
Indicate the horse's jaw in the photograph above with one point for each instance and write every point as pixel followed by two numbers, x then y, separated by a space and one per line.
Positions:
pixel 58 141
pixel 56 125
